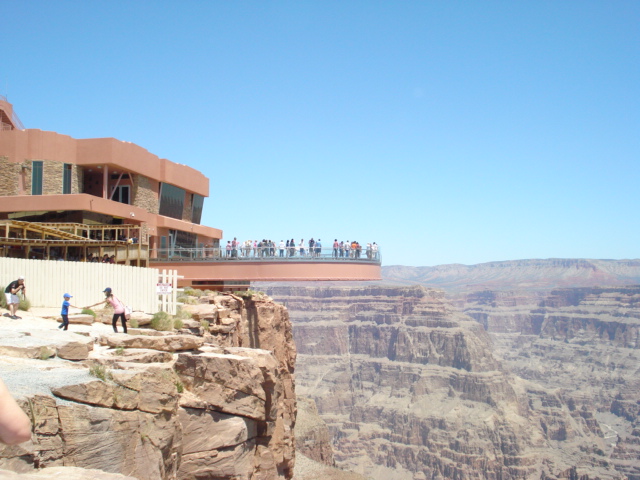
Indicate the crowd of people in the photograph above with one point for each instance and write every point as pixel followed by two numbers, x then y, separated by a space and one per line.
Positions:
pixel 290 248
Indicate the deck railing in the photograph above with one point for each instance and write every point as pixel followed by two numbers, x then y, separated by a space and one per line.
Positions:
pixel 263 255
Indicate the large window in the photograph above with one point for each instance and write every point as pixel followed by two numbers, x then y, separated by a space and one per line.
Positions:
pixel 181 243
pixel 197 202
pixel 121 194
pixel 171 201
pixel 36 177
pixel 66 178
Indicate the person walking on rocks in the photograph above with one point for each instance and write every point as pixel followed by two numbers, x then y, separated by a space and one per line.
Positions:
pixel 11 294
pixel 65 311
pixel 118 309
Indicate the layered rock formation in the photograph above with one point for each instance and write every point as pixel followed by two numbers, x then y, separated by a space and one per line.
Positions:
pixel 410 389
pixel 583 344
pixel 528 275
pixel 314 453
pixel 216 401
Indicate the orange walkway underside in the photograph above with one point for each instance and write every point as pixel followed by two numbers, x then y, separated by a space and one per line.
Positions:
pixel 272 271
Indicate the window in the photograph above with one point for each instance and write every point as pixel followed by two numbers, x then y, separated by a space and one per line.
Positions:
pixel 66 178
pixel 121 194
pixel 197 202
pixel 171 201
pixel 181 243
pixel 36 177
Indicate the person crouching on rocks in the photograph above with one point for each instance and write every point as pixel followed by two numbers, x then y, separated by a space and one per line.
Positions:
pixel 118 309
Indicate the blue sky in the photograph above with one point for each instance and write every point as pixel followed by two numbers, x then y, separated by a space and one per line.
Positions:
pixel 446 131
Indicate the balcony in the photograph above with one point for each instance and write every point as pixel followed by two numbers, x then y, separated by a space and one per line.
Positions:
pixel 203 267
pixel 179 254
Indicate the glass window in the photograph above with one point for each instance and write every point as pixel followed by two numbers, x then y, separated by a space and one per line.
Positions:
pixel 181 243
pixel 196 208
pixel 121 194
pixel 36 177
pixel 171 200
pixel 66 178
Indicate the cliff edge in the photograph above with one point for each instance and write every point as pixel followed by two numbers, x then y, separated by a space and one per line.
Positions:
pixel 214 400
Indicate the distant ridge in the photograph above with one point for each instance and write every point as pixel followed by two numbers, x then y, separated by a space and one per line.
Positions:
pixel 532 274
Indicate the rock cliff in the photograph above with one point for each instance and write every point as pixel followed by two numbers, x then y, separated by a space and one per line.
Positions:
pixel 411 389
pixel 582 343
pixel 213 401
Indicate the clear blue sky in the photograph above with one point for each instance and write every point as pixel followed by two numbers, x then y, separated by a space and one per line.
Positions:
pixel 446 131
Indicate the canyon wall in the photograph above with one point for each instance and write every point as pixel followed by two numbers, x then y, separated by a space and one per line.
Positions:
pixel 410 389
pixel 215 400
pixel 584 344
pixel 528 275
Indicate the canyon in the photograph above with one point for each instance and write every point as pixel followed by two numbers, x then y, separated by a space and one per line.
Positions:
pixel 508 370
pixel 535 377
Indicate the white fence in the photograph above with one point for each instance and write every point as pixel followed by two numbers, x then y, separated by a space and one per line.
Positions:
pixel 48 280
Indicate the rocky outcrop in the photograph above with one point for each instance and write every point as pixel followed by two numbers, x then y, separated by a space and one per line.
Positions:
pixel 313 439
pixel 410 389
pixel 163 406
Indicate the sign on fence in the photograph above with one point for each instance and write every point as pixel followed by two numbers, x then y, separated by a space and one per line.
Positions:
pixel 164 288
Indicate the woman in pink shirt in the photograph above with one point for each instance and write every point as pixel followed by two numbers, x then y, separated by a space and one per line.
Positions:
pixel 118 309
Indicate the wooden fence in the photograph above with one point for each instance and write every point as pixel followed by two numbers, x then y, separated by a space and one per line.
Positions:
pixel 48 280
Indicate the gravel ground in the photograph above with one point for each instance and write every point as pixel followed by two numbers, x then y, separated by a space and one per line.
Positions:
pixel 27 377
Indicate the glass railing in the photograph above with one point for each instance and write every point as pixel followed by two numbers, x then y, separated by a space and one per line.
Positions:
pixel 265 254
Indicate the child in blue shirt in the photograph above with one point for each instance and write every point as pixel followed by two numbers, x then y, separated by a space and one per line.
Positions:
pixel 65 311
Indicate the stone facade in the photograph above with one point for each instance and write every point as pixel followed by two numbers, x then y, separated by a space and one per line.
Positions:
pixel 9 177
pixel 52 177
pixel 145 193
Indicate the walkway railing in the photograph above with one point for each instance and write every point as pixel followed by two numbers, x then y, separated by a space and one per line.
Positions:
pixel 263 255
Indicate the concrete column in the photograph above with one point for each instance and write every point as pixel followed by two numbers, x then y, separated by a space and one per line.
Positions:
pixel 105 181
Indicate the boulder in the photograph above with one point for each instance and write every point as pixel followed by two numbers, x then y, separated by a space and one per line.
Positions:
pixel 141 318
pixel 191 324
pixel 79 319
pixel 202 311
pixel 168 343
pixel 240 382
pixel 135 355
pixel 146 388
pixel 75 350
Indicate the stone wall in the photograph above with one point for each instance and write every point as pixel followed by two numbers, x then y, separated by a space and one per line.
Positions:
pixel 52 177
pixel 145 193
pixel 9 177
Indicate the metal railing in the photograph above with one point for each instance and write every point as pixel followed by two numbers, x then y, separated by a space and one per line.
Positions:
pixel 14 117
pixel 265 254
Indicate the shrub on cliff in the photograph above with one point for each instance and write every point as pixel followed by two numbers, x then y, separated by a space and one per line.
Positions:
pixel 250 294
pixel 193 292
pixel 162 322
pixel 188 300
pixel 183 314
